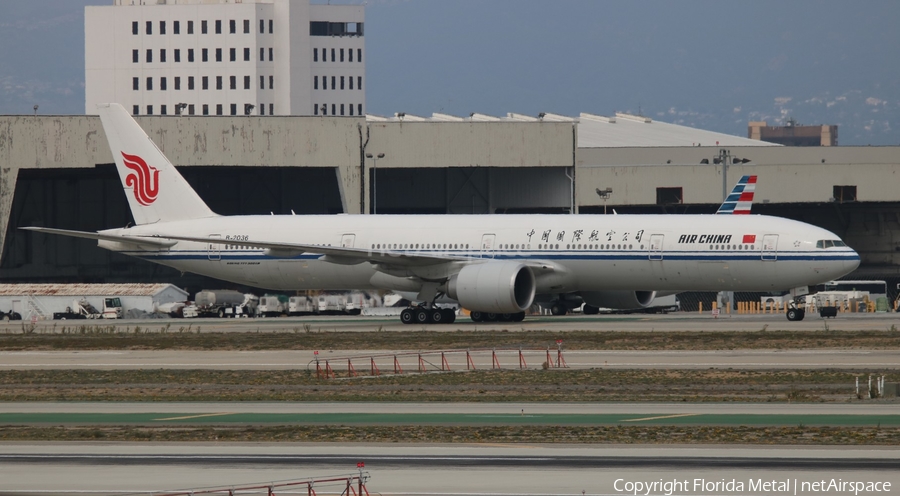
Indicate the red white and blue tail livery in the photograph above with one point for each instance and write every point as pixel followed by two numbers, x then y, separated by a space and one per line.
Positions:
pixel 741 197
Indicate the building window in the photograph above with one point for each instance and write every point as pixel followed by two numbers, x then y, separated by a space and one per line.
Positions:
pixel 342 54
pixel 333 85
pixel 351 105
pixel 342 109
pixel 262 82
pixel 359 82
pixel 359 54
pixel 176 27
pixel 669 196
pixel 149 27
pixel 135 56
pixel 136 109
pixel 149 55
pixel 218 54
pixel 844 194
pixel 262 109
pixel 351 84
pixel 162 54
pixel 134 30
pixel 190 27
pixel 350 55
pixel 218 26
pixel 271 82
pixel 246 82
pixel 333 108
pixel 162 84
pixel 262 54
pixel 359 109
pixel 262 26
pixel 204 83
pixel 135 84
pixel 202 27
pixel 177 55
pixel 233 109
pixel 149 84
pixel 218 82
pixel 315 82
pixel 232 26
pixel 232 54
pixel 246 26
pixel 162 110
pixel 190 82
pixel 191 109
pixel 315 54
pixel 332 55
pixel 218 109
pixel 270 26
pixel 232 80
pixel 315 109
pixel 342 82
pixel 205 109
pixel 324 109
pixel 204 54
pixel 190 54
pixel 149 109
pixel 271 54
pixel 246 55
pixel 162 27
pixel 177 83
pixel 324 82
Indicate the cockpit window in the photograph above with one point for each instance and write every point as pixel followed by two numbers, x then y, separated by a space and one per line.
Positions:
pixel 828 243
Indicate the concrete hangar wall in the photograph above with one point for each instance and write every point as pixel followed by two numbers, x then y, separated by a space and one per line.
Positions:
pixel 57 171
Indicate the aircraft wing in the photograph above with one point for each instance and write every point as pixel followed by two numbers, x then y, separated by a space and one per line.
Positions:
pixel 334 254
pixel 140 242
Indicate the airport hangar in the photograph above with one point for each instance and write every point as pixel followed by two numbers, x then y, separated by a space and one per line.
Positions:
pixel 57 171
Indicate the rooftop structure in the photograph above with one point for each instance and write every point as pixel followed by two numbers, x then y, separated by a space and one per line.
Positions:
pixel 793 134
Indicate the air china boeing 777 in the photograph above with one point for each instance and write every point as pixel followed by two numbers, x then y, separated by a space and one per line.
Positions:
pixel 494 265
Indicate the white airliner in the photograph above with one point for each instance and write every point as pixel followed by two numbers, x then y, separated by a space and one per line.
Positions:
pixel 493 265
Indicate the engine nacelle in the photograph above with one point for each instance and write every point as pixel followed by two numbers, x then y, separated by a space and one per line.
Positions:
pixel 495 287
pixel 619 300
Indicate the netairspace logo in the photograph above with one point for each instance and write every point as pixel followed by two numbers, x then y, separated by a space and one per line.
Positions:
pixel 750 486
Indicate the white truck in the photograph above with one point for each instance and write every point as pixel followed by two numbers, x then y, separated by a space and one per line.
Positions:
pixel 221 303
pixel 81 309
pixel 273 305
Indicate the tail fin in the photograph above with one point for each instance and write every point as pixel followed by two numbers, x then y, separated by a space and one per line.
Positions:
pixel 154 188
pixel 741 198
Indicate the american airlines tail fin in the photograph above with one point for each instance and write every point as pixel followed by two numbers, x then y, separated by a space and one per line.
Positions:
pixel 155 190
pixel 741 198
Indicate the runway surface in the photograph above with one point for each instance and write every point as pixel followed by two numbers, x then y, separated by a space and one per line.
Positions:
pixel 863 360
pixel 680 321
pixel 457 469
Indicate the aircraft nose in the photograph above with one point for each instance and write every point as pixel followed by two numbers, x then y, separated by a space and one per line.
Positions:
pixel 852 262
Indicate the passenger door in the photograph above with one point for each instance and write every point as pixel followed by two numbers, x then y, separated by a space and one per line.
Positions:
pixel 214 251
pixel 348 240
pixel 656 246
pixel 487 245
pixel 770 247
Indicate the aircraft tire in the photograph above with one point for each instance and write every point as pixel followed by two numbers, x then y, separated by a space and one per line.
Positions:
pixel 491 317
pixel 795 315
pixel 422 316
pixel 518 317
pixel 506 317
pixel 407 316
pixel 449 316
pixel 436 316
pixel 476 316
pixel 558 309
pixel 590 310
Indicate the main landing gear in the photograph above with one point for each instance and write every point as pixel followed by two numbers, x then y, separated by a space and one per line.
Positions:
pixel 497 317
pixel 423 315
pixel 795 313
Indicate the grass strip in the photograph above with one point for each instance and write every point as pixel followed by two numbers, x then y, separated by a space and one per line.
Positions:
pixel 580 385
pixel 799 435
pixel 88 337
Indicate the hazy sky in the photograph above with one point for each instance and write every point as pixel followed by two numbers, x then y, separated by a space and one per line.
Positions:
pixel 712 64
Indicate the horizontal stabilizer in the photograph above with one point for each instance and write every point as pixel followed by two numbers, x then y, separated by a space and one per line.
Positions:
pixel 146 243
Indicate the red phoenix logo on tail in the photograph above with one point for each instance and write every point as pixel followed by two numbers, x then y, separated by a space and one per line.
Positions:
pixel 144 181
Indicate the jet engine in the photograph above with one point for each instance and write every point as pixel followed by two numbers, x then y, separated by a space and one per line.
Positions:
pixel 495 287
pixel 619 300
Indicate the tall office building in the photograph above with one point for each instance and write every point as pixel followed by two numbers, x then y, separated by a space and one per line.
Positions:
pixel 226 57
